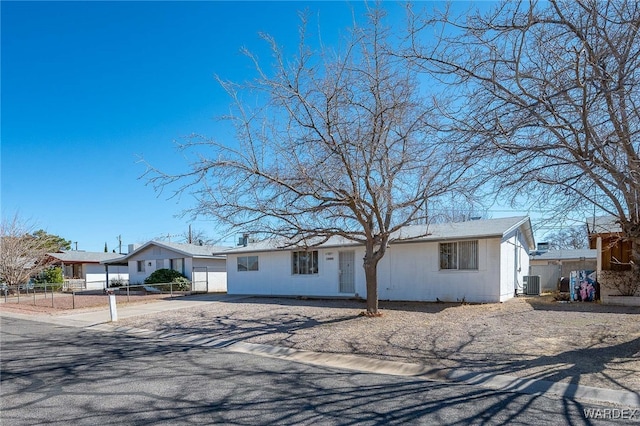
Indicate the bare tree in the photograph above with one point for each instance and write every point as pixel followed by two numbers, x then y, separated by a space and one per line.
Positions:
pixel 22 253
pixel 332 143
pixel 455 207
pixel 196 236
pixel 573 238
pixel 552 90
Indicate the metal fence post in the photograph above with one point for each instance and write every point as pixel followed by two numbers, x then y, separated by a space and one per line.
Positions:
pixel 52 296
pixel 34 295
pixel 73 299
pixel 128 288
pixel 171 290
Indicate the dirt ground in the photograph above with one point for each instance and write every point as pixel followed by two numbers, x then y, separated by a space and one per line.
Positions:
pixel 536 338
pixel 530 337
pixel 60 303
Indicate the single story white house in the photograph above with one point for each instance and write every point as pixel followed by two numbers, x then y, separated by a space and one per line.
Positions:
pixel 475 261
pixel 206 270
pixel 85 269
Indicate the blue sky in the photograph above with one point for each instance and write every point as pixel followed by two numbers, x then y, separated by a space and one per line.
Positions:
pixel 90 87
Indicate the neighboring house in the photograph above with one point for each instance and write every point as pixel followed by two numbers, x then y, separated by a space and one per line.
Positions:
pixel 84 269
pixel 206 271
pixel 553 265
pixel 605 235
pixel 475 261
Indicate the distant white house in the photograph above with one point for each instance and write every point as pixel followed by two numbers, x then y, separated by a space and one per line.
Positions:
pixel 84 269
pixel 206 270
pixel 475 261
pixel 553 265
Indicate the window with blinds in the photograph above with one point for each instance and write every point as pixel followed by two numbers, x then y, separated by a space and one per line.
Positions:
pixel 461 255
pixel 304 262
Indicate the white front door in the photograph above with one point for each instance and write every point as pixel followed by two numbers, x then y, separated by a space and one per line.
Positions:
pixel 347 272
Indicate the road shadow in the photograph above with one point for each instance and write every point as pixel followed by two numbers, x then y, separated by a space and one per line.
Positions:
pixel 88 377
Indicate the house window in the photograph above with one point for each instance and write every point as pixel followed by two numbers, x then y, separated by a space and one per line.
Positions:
pixel 177 265
pixel 247 263
pixel 304 262
pixel 461 255
pixel 140 265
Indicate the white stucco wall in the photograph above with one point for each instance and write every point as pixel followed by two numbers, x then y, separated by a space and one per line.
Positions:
pixel 514 266
pixel 412 272
pixel 95 275
pixel 408 271
pixel 275 277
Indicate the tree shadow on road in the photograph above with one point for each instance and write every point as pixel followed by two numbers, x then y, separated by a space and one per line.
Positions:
pixel 109 378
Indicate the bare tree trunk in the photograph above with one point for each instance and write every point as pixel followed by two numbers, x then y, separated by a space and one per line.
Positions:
pixel 371 276
pixel 371 260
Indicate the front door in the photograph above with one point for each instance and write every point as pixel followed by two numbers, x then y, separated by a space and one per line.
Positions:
pixel 347 272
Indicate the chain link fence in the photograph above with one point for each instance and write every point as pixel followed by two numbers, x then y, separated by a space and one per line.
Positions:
pixel 59 296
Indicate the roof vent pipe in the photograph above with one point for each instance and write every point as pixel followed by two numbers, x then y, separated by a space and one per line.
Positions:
pixel 243 240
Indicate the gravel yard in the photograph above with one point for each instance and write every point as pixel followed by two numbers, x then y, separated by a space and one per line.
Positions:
pixel 64 302
pixel 533 337
pixel 537 338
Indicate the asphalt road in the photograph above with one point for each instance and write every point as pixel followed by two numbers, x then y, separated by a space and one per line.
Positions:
pixel 57 375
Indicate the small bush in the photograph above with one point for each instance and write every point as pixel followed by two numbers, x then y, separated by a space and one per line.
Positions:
pixel 51 275
pixel 626 282
pixel 168 276
pixel 117 282
pixel 179 284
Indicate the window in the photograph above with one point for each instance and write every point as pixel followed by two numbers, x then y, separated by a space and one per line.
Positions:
pixel 140 265
pixel 468 254
pixel 448 256
pixel 177 265
pixel 247 263
pixel 461 255
pixel 304 262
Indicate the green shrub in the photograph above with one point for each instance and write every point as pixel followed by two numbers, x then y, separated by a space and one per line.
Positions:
pixel 50 276
pixel 178 284
pixel 168 276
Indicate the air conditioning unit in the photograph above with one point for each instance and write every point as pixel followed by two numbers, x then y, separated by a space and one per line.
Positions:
pixel 531 285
